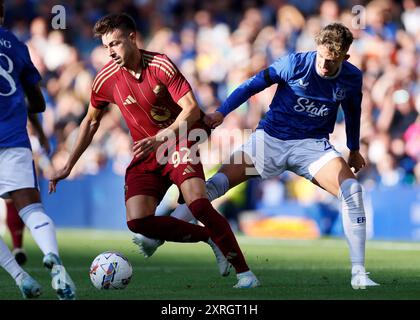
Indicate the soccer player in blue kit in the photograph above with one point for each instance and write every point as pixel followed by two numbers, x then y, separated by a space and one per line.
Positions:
pixel 20 78
pixel 294 135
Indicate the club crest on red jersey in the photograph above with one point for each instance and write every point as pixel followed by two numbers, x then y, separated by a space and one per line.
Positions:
pixel 160 113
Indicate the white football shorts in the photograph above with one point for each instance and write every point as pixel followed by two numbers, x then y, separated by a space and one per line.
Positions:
pixel 272 156
pixel 17 170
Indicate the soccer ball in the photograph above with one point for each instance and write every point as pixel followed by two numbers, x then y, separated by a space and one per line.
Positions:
pixel 110 270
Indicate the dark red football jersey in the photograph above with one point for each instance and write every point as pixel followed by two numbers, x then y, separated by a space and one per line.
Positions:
pixel 148 104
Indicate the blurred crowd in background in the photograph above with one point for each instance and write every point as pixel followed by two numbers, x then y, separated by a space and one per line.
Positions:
pixel 217 45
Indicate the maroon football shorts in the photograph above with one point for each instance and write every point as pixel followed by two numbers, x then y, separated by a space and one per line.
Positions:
pixel 154 175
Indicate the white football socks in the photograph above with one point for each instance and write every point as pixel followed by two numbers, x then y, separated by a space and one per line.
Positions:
pixel 41 227
pixel 354 221
pixel 8 262
pixel 182 212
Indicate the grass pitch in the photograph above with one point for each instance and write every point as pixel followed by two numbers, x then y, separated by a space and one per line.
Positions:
pixel 288 270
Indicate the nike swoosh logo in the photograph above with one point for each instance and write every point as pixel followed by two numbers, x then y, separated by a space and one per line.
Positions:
pixel 41 225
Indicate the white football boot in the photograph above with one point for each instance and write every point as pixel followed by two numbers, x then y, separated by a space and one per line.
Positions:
pixel 146 245
pixel 60 279
pixel 223 264
pixel 247 280
pixel 360 278
pixel 29 287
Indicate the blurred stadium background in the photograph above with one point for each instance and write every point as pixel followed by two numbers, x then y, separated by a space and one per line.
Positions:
pixel 217 45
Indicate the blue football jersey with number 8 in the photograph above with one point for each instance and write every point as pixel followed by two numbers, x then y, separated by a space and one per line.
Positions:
pixel 16 71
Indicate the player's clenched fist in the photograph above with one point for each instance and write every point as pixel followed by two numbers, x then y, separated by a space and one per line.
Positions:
pixel 213 119
pixel 356 160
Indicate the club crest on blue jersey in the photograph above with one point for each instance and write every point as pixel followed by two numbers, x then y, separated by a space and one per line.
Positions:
pixel 339 94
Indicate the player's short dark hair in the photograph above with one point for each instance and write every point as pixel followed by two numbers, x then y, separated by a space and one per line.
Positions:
pixel 336 37
pixel 114 21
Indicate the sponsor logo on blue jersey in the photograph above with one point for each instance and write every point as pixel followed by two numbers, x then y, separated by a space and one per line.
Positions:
pixel 311 108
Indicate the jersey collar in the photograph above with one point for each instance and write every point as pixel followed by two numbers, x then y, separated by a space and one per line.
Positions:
pixel 326 77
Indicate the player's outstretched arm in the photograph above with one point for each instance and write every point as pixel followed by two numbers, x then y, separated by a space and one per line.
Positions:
pixel 246 90
pixel 234 100
pixel 88 128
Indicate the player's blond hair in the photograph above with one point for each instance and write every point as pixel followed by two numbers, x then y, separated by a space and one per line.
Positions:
pixel 336 37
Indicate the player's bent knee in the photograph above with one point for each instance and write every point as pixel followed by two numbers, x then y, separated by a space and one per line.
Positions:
pixel 348 188
pixel 352 202
pixel 25 197
pixel 192 194
pixel 193 189
pixel 190 198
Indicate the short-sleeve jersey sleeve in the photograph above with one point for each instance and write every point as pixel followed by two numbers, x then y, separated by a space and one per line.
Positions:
pixel 99 100
pixel 102 88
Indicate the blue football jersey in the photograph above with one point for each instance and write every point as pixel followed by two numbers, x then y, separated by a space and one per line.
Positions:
pixel 305 104
pixel 16 70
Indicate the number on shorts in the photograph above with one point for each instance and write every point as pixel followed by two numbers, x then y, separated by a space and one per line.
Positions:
pixel 176 157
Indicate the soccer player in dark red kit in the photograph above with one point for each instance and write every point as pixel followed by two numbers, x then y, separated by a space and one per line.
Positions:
pixel 157 102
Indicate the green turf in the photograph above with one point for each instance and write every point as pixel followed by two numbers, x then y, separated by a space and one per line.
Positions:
pixel 287 269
